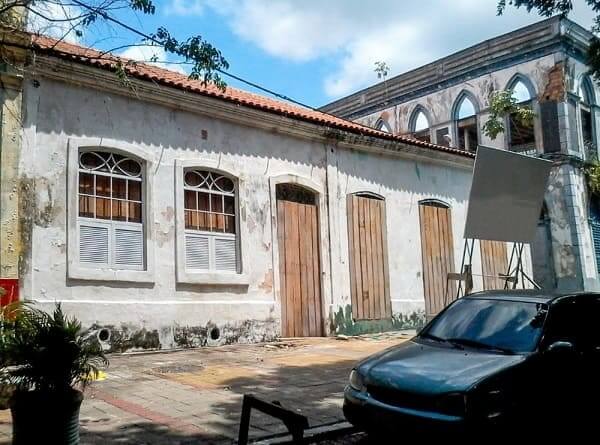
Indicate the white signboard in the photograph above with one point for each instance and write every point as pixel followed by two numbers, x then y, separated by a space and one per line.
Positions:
pixel 506 197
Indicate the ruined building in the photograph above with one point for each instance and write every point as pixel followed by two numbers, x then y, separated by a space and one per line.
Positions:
pixel 544 66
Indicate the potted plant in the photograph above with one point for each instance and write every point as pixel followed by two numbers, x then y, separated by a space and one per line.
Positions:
pixel 48 360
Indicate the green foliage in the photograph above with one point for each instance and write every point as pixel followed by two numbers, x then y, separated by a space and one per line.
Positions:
pixel 381 69
pixel 504 106
pixel 46 352
pixel 548 8
pixel 592 176
pixel 206 61
pixel 146 6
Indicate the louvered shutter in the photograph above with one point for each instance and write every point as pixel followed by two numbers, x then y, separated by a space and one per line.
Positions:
pixel 129 246
pixel 595 226
pixel 197 251
pixel 594 221
pixel 93 244
pixel 225 254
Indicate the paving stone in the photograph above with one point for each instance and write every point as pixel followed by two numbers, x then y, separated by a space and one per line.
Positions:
pixel 138 405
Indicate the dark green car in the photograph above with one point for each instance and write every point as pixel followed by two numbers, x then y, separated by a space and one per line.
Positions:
pixel 489 361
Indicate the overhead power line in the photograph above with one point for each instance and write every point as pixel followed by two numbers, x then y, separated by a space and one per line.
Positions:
pixel 150 38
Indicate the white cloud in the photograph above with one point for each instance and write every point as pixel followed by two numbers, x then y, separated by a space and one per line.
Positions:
pixel 185 7
pixel 354 34
pixel 54 20
pixel 153 55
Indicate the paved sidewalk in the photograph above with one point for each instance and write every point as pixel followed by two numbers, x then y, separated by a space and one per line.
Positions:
pixel 194 396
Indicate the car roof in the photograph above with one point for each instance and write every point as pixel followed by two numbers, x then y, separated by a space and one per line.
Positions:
pixel 528 295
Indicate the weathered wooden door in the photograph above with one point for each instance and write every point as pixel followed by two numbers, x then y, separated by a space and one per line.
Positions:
pixel 299 265
pixel 369 281
pixel 437 246
pixel 494 261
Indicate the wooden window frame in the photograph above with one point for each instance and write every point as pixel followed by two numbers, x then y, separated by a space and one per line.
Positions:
pixel 111 224
pixel 208 276
pixel 529 147
pixel 75 268
pixel 212 236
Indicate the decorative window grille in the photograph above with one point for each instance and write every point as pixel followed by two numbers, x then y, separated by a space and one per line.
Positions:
pixel 110 221
pixel 210 222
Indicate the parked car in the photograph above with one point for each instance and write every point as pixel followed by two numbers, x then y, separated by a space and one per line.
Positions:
pixel 489 361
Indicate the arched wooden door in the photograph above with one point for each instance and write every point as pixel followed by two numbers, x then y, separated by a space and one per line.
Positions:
pixel 437 252
pixel 299 262
pixel 367 242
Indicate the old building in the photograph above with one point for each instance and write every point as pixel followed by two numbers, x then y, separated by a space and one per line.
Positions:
pixel 447 102
pixel 164 213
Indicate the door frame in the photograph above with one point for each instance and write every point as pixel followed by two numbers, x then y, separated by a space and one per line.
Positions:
pixel 385 260
pixel 324 260
pixel 451 290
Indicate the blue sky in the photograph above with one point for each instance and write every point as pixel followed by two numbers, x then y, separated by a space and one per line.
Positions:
pixel 317 51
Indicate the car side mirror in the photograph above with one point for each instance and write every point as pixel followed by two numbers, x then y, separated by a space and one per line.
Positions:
pixel 560 347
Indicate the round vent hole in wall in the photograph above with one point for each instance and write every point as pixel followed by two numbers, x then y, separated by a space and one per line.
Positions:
pixel 215 334
pixel 104 335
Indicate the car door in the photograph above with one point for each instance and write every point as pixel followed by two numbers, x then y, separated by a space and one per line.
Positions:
pixel 589 347
pixel 561 370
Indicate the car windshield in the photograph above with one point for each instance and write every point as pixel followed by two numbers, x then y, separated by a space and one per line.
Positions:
pixel 506 326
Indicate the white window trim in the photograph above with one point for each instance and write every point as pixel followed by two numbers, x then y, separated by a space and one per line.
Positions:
pixel 77 271
pixel 186 276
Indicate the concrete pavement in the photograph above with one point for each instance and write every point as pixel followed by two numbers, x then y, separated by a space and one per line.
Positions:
pixel 194 396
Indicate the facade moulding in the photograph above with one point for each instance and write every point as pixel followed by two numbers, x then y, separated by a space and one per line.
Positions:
pixel 89 77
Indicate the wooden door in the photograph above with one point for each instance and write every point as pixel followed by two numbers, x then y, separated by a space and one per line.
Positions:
pixel 299 265
pixel 494 261
pixel 437 246
pixel 369 281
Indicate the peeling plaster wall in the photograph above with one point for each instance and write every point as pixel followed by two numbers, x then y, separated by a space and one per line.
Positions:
pixel 403 184
pixel 165 313
pixel 10 149
pixel 57 112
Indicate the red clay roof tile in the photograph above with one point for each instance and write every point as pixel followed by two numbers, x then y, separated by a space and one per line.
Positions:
pixel 180 81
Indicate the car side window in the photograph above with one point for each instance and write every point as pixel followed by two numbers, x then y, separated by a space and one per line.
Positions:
pixel 589 311
pixel 563 323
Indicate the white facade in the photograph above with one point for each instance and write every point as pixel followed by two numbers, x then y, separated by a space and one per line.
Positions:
pixel 73 108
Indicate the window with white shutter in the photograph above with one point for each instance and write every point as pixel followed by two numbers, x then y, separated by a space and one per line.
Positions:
pixel 110 223
pixel 210 222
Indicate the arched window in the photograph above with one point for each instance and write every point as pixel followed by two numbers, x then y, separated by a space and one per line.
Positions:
pixel 382 125
pixel 586 95
pixel 210 221
pixel 419 125
pixel 520 92
pixel 110 213
pixel 465 116
pixel 521 136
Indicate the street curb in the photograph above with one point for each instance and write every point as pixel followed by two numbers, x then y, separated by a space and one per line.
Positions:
pixel 312 435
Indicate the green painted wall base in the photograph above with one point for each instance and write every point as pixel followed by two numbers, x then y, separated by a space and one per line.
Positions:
pixel 341 322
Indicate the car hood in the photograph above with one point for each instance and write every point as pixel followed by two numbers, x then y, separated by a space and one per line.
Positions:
pixel 431 369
